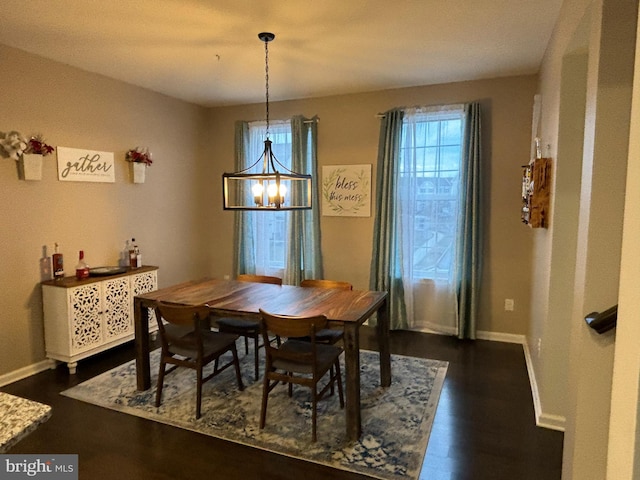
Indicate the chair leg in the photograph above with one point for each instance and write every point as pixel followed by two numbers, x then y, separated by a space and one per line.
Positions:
pixel 160 383
pixel 339 380
pixel 246 345
pixel 199 390
pixel 265 399
pixel 314 414
pixel 331 376
pixel 255 353
pixel 236 364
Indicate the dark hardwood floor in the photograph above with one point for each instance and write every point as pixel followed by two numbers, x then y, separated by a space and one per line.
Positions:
pixel 484 427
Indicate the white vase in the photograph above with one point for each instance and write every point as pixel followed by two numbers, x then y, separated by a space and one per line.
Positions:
pixel 138 172
pixel 31 166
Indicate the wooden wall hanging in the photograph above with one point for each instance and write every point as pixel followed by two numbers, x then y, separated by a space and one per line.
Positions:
pixel 536 190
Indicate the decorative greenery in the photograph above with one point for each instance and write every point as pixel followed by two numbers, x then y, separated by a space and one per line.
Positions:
pixel 14 145
pixel 139 155
pixel 38 146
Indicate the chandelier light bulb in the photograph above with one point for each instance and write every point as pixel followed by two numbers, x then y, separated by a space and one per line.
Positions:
pixel 257 190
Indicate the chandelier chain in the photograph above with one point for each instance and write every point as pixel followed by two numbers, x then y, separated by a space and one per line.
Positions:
pixel 266 79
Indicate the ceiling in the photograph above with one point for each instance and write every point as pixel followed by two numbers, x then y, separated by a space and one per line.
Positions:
pixel 207 51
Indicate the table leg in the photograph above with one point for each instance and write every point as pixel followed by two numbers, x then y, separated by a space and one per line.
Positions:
pixel 141 324
pixel 382 331
pixel 352 381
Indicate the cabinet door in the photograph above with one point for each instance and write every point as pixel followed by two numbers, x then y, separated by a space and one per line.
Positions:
pixel 144 283
pixel 85 317
pixel 116 298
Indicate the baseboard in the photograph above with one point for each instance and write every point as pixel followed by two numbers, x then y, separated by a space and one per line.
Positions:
pixel 501 337
pixel 25 372
pixel 544 420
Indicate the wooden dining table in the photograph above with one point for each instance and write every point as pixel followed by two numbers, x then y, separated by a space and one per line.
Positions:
pixel 346 309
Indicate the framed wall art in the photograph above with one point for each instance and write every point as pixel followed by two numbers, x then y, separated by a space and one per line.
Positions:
pixel 80 165
pixel 346 190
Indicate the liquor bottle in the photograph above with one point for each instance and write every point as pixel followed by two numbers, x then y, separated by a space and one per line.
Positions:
pixel 82 269
pixel 123 261
pixel 136 251
pixel 133 259
pixel 58 264
pixel 45 265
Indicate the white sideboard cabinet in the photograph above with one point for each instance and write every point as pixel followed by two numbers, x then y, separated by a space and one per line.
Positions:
pixel 85 317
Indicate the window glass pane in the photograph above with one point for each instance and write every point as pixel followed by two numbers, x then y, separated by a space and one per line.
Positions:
pixel 429 173
pixel 270 227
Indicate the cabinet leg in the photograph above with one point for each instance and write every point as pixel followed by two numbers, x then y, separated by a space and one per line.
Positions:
pixel 72 367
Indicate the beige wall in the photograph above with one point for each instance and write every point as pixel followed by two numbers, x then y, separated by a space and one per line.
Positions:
pixel 348 134
pixel 176 215
pixel 74 108
pixel 585 82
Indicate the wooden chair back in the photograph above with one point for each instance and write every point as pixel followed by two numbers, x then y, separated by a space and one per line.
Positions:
pixel 318 283
pixel 291 327
pixel 247 277
pixel 185 326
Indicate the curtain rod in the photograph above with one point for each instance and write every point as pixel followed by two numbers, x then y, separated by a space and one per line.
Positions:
pixel 275 122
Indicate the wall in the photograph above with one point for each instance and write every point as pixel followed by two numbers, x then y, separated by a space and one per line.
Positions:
pixel 623 460
pixel 348 134
pixel 590 55
pixel 74 108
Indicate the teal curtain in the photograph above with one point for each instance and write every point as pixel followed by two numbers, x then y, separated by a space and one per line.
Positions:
pixel 386 258
pixel 304 256
pixel 244 260
pixel 469 244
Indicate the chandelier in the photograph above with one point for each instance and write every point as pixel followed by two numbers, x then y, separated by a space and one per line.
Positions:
pixel 273 188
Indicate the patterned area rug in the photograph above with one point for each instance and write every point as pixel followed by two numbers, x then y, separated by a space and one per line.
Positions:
pixel 396 421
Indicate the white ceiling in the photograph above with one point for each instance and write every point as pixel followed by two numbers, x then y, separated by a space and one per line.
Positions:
pixel 207 51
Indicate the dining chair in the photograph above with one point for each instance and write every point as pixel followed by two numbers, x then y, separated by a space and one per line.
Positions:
pixel 297 362
pixel 244 327
pixel 327 335
pixel 187 341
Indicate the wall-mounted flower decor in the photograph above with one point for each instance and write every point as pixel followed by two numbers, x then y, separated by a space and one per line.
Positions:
pixel 28 153
pixel 139 155
pixel 140 159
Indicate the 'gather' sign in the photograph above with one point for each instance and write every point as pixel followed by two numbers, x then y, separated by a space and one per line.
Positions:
pixel 79 165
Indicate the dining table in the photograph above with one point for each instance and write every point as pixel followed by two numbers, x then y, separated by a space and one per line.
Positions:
pixel 344 309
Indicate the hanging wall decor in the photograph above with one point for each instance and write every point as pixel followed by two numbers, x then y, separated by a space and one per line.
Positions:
pixel 80 165
pixel 139 158
pixel 536 190
pixel 27 153
pixel 346 190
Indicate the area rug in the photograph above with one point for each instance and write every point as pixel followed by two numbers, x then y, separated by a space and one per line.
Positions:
pixel 396 421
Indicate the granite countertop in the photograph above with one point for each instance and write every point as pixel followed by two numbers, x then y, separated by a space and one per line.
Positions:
pixel 18 418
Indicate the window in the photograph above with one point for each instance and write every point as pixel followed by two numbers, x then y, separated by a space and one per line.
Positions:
pixel 271 254
pixel 428 176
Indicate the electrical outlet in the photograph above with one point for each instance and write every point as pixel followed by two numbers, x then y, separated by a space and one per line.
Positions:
pixel 539 347
pixel 509 304
pixel 226 277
